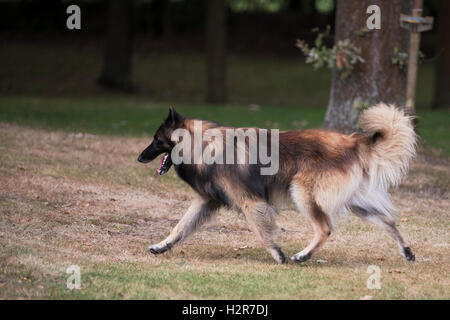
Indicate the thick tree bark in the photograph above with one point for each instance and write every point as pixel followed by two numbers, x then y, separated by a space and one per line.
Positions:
pixel 442 93
pixel 215 51
pixel 377 79
pixel 116 73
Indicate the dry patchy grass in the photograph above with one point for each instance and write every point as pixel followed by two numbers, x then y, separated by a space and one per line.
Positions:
pixel 82 199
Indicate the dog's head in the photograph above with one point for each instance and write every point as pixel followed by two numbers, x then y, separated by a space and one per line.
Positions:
pixel 161 142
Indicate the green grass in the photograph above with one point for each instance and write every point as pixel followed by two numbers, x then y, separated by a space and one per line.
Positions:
pixel 178 280
pixel 181 280
pixel 138 117
pixel 434 129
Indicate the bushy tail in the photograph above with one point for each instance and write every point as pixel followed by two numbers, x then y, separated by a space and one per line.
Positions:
pixel 390 141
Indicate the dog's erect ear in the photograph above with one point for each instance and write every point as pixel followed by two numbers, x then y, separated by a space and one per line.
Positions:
pixel 173 117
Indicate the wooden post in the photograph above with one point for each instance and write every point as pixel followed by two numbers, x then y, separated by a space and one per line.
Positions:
pixel 414 45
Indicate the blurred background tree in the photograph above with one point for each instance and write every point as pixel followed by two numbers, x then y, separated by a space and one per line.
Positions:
pixel 215 51
pixel 117 65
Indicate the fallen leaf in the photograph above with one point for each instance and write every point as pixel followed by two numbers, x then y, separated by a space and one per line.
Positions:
pixel 242 248
pixel 396 271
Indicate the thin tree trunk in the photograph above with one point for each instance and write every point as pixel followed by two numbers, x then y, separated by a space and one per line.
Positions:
pixel 377 79
pixel 162 18
pixel 215 52
pixel 167 23
pixel 442 93
pixel 117 68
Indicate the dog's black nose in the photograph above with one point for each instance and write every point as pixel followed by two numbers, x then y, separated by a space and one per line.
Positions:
pixel 143 159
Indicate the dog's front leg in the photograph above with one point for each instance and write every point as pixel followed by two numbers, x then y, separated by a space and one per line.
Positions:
pixel 198 213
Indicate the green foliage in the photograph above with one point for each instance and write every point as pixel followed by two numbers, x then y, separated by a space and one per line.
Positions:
pixel 342 56
pixel 256 5
pixel 400 58
pixel 363 32
pixel 324 6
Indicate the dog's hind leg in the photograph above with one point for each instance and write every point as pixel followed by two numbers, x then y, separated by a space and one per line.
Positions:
pixel 262 220
pixel 319 221
pixel 198 213
pixel 387 223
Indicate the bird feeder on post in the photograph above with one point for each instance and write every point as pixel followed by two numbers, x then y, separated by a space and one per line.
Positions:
pixel 416 24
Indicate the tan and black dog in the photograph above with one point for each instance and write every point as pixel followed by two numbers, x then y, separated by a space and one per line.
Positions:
pixel 325 174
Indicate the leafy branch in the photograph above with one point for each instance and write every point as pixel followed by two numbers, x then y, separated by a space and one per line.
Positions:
pixel 400 58
pixel 342 56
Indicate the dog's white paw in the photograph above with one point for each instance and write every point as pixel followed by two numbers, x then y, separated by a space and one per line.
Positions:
pixel 158 248
pixel 301 257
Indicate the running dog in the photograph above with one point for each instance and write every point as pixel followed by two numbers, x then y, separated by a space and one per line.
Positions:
pixel 325 174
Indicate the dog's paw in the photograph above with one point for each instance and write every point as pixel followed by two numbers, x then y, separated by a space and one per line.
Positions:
pixel 281 259
pixel 278 255
pixel 157 248
pixel 409 255
pixel 301 257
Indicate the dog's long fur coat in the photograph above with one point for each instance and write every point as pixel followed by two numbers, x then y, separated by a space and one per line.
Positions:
pixel 325 174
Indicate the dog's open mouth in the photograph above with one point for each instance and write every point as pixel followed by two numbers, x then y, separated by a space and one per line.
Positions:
pixel 165 164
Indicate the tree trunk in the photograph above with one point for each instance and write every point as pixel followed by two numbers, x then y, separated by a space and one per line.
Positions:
pixel 377 79
pixel 215 51
pixel 163 23
pixel 442 93
pixel 116 73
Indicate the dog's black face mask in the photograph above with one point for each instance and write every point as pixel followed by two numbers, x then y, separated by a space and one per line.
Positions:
pixel 162 144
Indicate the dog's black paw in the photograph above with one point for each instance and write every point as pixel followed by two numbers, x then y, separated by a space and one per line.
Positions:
pixel 282 258
pixel 409 255
pixel 156 249
pixel 301 258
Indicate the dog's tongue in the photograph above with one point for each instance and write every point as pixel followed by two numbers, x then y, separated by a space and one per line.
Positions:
pixel 160 170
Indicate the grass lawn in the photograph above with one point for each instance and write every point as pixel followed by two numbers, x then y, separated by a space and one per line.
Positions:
pixel 64 199
pixel 81 199
pixel 72 192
